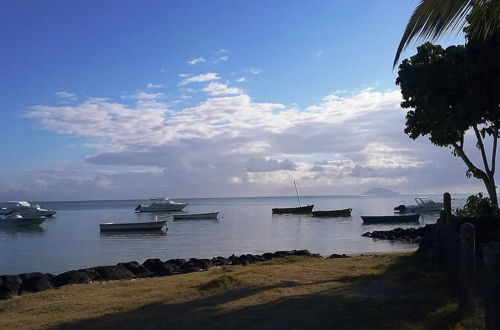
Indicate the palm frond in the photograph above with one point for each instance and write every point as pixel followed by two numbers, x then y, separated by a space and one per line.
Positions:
pixel 431 18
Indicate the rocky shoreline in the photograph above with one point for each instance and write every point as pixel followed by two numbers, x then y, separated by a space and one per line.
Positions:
pixel 410 235
pixel 13 285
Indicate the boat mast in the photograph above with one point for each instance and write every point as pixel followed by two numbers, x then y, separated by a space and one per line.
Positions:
pixel 298 198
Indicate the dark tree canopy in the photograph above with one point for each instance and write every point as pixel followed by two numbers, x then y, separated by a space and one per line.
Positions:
pixel 452 90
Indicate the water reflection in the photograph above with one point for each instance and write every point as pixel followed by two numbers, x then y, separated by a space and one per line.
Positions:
pixel 21 231
pixel 133 234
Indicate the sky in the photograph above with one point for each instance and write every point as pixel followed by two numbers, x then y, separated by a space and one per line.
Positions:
pixel 134 99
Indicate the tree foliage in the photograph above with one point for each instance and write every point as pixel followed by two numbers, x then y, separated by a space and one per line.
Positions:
pixel 452 90
pixel 478 206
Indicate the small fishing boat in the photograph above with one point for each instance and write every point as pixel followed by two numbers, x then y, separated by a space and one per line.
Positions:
pixel 17 220
pixel 373 219
pixel 294 210
pixel 132 226
pixel 211 215
pixel 345 213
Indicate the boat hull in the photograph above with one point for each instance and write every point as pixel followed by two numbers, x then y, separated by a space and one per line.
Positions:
pixel 294 210
pixel 345 213
pixel 22 222
pixel 212 215
pixel 132 226
pixel 161 208
pixel 390 218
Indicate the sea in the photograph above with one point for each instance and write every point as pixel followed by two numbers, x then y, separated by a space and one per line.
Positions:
pixel 72 239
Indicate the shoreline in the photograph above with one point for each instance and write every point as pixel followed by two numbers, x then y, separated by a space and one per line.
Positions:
pixel 292 291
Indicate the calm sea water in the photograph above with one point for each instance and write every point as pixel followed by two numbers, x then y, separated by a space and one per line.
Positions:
pixel 72 240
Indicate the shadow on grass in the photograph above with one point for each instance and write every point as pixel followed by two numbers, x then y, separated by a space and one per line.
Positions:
pixel 403 297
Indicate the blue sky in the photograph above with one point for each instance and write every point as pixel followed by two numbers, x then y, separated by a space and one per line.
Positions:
pixel 130 99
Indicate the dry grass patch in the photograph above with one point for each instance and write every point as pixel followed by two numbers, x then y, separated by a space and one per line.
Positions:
pixel 384 291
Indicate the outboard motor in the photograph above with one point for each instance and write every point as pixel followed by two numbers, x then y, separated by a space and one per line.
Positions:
pixel 138 208
pixel 401 208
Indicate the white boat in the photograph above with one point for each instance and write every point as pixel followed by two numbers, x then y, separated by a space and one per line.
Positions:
pixel 25 209
pixel 211 215
pixel 16 220
pixel 424 204
pixel 132 226
pixel 162 204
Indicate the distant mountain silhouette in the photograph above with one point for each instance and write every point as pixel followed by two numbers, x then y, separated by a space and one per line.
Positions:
pixel 379 192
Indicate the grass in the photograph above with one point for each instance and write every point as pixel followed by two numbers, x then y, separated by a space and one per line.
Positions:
pixel 381 291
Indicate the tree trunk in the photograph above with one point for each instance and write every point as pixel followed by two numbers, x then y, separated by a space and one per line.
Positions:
pixel 492 189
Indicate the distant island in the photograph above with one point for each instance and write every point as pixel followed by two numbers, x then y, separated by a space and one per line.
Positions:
pixel 379 192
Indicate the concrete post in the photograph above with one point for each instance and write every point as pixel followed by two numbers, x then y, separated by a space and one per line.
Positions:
pixel 491 260
pixel 447 203
pixel 467 269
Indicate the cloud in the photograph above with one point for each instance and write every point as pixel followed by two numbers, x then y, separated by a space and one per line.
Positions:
pixel 200 78
pixel 254 71
pixel 229 144
pixel 268 165
pixel 215 88
pixel 196 61
pixel 242 79
pixel 151 85
pixel 66 95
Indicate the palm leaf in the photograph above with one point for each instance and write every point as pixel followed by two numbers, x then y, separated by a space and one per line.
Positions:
pixel 432 18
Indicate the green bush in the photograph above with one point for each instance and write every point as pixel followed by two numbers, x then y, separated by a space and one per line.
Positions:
pixel 478 206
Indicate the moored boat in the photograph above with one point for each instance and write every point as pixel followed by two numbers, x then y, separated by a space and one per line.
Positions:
pixel 424 204
pixel 132 226
pixel 344 213
pixel 16 220
pixel 373 219
pixel 161 204
pixel 211 215
pixel 26 210
pixel 293 210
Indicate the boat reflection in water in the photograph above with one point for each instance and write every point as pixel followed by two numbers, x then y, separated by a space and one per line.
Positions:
pixel 133 234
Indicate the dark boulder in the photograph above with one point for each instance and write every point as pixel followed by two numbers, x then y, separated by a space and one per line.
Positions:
pixel 219 261
pixel 113 273
pixel 177 262
pixel 335 256
pixel 153 265
pixel 233 260
pixel 9 286
pixel 282 254
pixel 201 263
pixel 168 268
pixel 268 256
pixel 72 277
pixel 136 268
pixel 35 282
pixel 301 253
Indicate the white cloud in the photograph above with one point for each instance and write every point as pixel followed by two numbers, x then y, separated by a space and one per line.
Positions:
pixel 344 144
pixel 196 61
pixel 66 95
pixel 151 85
pixel 200 78
pixel 242 79
pixel 215 88
pixel 255 70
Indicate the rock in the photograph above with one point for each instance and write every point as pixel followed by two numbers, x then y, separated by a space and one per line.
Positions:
pixel 72 277
pixel 335 256
pixel 177 262
pixel 9 286
pixel 168 269
pixel 35 282
pixel 301 252
pixel 153 265
pixel 233 260
pixel 219 261
pixel 113 272
pixel 282 254
pixel 136 268
pixel 201 263
pixel 267 256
